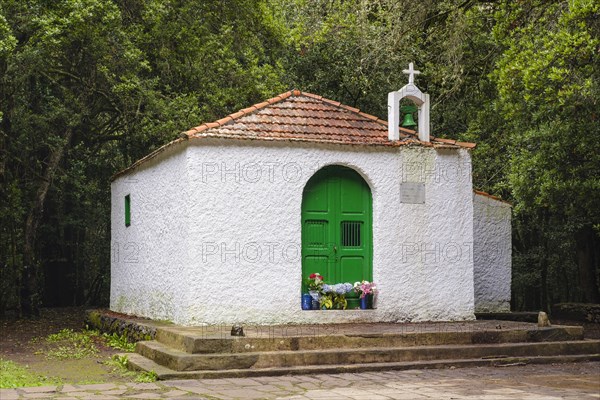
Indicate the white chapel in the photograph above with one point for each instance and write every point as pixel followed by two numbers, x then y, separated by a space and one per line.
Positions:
pixel 224 224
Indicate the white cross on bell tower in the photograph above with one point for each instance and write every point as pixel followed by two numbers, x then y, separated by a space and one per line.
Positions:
pixel 420 99
pixel 411 72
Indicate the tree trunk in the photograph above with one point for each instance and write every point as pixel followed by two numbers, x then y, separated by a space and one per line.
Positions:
pixel 30 286
pixel 545 259
pixel 544 282
pixel 587 261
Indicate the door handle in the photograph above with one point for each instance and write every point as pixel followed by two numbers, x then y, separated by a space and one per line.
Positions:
pixel 334 248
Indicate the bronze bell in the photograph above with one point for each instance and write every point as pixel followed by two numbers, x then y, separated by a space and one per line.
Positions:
pixel 408 121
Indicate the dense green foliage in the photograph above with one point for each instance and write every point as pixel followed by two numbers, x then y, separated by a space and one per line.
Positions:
pixel 89 86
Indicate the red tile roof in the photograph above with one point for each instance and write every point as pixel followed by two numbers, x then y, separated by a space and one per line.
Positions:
pixel 305 117
pixel 296 116
pixel 491 196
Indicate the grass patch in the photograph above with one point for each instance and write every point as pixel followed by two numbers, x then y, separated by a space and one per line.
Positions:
pixel 68 344
pixel 146 377
pixel 118 363
pixel 13 376
pixel 119 342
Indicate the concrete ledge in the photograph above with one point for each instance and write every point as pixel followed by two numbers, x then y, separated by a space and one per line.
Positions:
pixel 140 363
pixel 181 361
pixel 218 339
pixel 199 341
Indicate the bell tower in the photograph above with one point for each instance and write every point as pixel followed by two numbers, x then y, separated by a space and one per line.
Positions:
pixel 421 100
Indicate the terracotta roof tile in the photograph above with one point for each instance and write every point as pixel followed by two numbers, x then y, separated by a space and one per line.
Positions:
pixel 309 117
pixel 491 196
pixel 297 116
pixel 302 117
pixel 466 144
pixel 449 141
pixel 212 124
pixel 237 114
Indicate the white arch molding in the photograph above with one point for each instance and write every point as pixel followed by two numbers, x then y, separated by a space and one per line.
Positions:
pixel 421 100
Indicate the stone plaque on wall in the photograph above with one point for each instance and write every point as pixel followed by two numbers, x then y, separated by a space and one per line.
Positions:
pixel 412 193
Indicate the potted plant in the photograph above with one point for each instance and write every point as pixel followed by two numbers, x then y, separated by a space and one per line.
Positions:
pixel 326 297
pixel 334 296
pixel 340 290
pixel 365 290
pixel 315 285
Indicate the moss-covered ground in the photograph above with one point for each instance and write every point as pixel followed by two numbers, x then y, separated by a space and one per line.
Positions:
pixel 57 348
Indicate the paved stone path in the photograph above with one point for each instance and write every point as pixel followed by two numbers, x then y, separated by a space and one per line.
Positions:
pixel 564 381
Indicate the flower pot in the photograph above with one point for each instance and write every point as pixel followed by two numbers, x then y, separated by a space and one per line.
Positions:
pixel 366 303
pixel 306 301
pixel 315 296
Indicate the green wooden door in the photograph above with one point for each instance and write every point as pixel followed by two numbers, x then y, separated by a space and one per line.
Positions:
pixel 337 227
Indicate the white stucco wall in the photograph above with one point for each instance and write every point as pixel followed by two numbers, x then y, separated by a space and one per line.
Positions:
pixel 149 256
pixel 492 254
pixel 237 234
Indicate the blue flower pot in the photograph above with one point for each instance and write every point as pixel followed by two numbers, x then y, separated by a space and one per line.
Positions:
pixel 364 303
pixel 306 301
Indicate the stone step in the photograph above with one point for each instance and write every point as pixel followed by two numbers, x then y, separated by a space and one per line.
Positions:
pixel 141 363
pixel 209 340
pixel 523 316
pixel 178 360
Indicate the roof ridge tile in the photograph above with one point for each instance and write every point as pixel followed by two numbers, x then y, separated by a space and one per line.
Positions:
pixel 369 116
pixel 223 121
pixel 354 110
pixel 311 95
pixel 468 145
pixel 491 196
pixel 332 102
pixel 238 114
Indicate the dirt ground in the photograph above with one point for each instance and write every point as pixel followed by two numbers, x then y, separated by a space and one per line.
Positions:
pixel 21 341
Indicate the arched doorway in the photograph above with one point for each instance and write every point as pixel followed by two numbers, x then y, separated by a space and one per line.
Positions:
pixel 337 233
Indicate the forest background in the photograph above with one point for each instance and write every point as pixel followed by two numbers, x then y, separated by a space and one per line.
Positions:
pixel 89 86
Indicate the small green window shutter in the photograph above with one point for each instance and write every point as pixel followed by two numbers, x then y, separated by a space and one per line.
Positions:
pixel 127 210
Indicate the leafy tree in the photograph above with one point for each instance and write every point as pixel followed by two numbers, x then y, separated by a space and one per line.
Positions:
pixel 548 85
pixel 88 87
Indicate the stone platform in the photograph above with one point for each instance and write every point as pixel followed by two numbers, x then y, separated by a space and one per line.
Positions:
pixel 211 352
